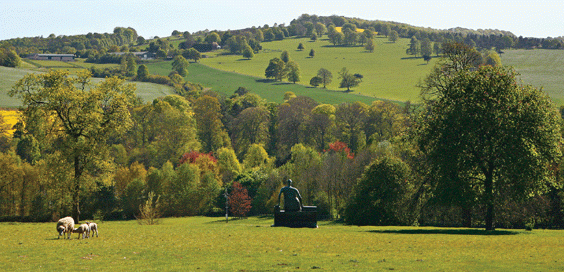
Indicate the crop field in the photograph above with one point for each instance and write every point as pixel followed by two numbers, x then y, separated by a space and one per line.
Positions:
pixel 10 118
pixel 388 72
pixel 211 244
pixel 227 82
pixel 540 68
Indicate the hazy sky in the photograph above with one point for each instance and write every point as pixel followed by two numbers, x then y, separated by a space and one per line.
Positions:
pixel 29 18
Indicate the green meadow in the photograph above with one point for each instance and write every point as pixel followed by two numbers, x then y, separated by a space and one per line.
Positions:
pixel 389 73
pixel 227 82
pixel 540 68
pixel 211 244
pixel 9 77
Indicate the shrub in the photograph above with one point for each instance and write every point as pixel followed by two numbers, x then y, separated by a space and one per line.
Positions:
pixel 149 212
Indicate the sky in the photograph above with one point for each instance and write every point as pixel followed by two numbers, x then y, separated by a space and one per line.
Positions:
pixel 31 18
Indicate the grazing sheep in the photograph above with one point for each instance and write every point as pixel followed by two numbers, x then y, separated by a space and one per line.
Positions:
pixel 82 229
pixel 65 226
pixel 93 228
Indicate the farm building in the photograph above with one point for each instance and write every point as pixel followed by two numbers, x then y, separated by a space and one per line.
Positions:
pixel 140 55
pixel 57 57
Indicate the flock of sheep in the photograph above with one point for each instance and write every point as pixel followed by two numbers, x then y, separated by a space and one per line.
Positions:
pixel 65 227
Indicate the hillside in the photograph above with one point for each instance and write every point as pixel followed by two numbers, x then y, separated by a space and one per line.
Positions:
pixel 388 72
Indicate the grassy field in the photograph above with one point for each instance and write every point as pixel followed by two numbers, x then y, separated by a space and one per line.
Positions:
pixel 9 77
pixel 210 244
pixel 227 82
pixel 388 72
pixel 541 68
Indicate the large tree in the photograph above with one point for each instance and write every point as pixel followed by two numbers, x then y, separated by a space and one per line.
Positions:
pixel 325 75
pixel 180 65
pixel 275 69
pixel 83 116
pixel 211 132
pixel 349 80
pixel 293 71
pixel 487 135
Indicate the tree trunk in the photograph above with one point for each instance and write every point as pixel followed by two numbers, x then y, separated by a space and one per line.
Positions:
pixel 76 189
pixel 467 216
pixel 488 184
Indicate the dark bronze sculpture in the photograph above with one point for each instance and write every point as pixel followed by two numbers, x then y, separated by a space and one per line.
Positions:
pixel 292 198
pixel 295 214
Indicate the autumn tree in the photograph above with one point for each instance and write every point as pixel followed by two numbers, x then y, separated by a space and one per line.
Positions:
pixel 84 116
pixel 239 200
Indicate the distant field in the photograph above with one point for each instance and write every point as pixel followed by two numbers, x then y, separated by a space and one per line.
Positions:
pixel 210 244
pixel 540 68
pixel 9 77
pixel 227 82
pixel 388 72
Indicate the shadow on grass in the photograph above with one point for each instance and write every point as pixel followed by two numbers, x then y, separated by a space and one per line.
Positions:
pixel 448 231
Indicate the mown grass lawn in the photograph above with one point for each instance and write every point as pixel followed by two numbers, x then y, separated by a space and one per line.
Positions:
pixel 541 68
pixel 388 72
pixel 210 244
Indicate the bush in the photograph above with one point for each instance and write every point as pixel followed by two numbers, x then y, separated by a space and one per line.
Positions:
pixel 149 212
pixel 381 195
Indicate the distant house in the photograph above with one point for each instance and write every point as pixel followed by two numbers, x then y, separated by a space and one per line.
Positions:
pixel 140 55
pixel 57 57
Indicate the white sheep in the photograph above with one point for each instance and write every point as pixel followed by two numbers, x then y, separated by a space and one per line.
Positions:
pixel 93 228
pixel 65 226
pixel 82 229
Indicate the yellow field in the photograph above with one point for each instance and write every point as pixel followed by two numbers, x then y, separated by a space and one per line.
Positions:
pixel 340 29
pixel 11 118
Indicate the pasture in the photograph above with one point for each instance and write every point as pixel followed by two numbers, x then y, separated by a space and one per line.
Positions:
pixel 389 73
pixel 227 82
pixel 540 68
pixel 9 76
pixel 210 244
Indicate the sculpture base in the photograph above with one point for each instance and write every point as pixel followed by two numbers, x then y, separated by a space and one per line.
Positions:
pixel 307 218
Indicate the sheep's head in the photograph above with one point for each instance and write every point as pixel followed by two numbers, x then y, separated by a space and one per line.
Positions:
pixel 60 230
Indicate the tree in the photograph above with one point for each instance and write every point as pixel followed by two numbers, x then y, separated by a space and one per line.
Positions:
pixel 142 72
pixel 9 58
pixel 325 76
pixel 312 53
pixel 192 53
pixel 492 59
pixel 414 47
pixel 394 36
pixel 320 29
pixel 275 69
pixel 350 118
pixel 300 47
pixel 313 37
pixel 426 49
pixel 239 200
pixel 213 37
pixel 381 196
pixel 348 80
pixel 315 81
pixel 248 53
pixel 87 116
pixel 211 133
pixel 369 46
pixel 180 65
pixel 485 134
pixel 250 127
pixel 437 48
pixel 293 71
pixel 285 57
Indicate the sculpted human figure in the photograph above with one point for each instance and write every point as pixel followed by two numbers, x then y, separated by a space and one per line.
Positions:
pixel 292 198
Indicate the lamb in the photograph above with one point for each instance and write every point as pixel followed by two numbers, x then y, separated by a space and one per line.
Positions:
pixel 82 229
pixel 93 228
pixel 65 226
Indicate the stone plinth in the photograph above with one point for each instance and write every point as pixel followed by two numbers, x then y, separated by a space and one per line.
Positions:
pixel 307 218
